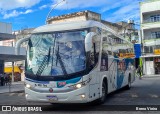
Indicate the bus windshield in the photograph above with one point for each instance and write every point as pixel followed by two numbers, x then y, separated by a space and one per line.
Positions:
pixel 56 53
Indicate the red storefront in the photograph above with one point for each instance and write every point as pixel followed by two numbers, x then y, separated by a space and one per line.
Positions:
pixel 157 65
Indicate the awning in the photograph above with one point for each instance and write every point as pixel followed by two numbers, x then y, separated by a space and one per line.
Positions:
pixel 9 69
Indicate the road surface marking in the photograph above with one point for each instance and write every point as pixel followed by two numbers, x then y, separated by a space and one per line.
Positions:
pixel 11 94
pixel 20 94
pixel 154 96
pixel 134 95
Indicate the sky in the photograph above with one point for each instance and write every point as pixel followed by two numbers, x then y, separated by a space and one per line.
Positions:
pixel 32 13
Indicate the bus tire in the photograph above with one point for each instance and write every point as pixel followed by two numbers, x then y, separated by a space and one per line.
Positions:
pixel 104 93
pixel 129 82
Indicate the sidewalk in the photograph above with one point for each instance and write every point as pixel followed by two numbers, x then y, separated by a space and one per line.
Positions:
pixel 148 76
pixel 16 86
pixel 151 76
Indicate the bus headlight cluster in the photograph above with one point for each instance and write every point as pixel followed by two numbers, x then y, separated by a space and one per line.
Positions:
pixel 26 95
pixel 83 96
pixel 28 86
pixel 79 85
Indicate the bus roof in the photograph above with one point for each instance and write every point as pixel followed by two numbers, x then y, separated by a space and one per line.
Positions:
pixel 73 26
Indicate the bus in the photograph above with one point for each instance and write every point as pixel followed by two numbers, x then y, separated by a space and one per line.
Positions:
pixel 76 62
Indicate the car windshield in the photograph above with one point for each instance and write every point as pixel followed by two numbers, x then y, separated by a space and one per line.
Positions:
pixel 57 53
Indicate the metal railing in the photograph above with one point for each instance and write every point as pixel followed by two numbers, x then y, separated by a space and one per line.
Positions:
pixel 150 21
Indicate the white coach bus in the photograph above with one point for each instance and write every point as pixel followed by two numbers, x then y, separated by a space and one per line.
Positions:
pixel 76 62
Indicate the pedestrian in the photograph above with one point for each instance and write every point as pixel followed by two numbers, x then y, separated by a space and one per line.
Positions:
pixel 156 69
pixel 2 80
pixel 6 78
pixel 139 71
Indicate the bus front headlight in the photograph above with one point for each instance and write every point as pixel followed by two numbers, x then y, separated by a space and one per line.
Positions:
pixel 81 84
pixel 78 86
pixel 28 86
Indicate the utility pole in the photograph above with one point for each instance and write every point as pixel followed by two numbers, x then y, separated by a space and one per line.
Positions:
pixel 129 28
pixel 53 9
pixel 12 68
pixel 132 29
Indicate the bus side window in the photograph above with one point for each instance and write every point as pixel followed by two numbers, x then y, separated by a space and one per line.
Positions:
pixel 104 61
pixel 104 57
pixel 94 53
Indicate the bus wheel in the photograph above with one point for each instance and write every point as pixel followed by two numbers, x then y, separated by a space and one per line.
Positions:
pixel 104 93
pixel 129 82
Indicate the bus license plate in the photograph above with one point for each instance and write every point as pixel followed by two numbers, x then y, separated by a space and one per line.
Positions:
pixel 52 98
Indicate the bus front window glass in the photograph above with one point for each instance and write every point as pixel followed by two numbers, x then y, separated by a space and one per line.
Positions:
pixel 53 54
pixel 38 53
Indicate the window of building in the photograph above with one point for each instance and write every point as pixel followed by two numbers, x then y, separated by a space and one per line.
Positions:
pixel 148 49
pixel 157 47
pixel 155 18
pixel 155 34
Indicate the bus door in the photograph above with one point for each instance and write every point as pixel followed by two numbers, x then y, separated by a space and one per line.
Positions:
pixel 105 62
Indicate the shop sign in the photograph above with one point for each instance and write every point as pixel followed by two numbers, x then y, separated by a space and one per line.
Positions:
pixel 126 55
pixel 157 51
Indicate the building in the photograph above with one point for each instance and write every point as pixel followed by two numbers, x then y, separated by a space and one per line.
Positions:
pixel 77 16
pixel 150 28
pixel 125 29
pixel 7 53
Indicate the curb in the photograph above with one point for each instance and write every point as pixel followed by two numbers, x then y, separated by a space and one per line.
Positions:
pixel 150 76
pixel 16 83
pixel 18 91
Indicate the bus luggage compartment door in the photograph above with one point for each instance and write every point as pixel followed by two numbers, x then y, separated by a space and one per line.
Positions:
pixel 94 91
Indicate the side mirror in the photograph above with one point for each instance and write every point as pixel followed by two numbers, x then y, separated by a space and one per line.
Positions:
pixel 19 42
pixel 88 41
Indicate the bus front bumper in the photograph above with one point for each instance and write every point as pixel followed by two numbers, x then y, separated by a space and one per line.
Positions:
pixel 80 95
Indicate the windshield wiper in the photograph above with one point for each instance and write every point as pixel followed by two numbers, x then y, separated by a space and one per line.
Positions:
pixel 44 63
pixel 53 51
pixel 49 55
pixel 61 62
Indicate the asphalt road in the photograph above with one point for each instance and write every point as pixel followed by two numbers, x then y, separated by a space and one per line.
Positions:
pixel 143 92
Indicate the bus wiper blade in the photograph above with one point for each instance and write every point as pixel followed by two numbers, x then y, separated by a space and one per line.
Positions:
pixel 61 62
pixel 49 55
pixel 44 63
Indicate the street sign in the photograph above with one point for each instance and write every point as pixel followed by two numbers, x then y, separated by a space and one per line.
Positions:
pixel 157 51
pixel 137 50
